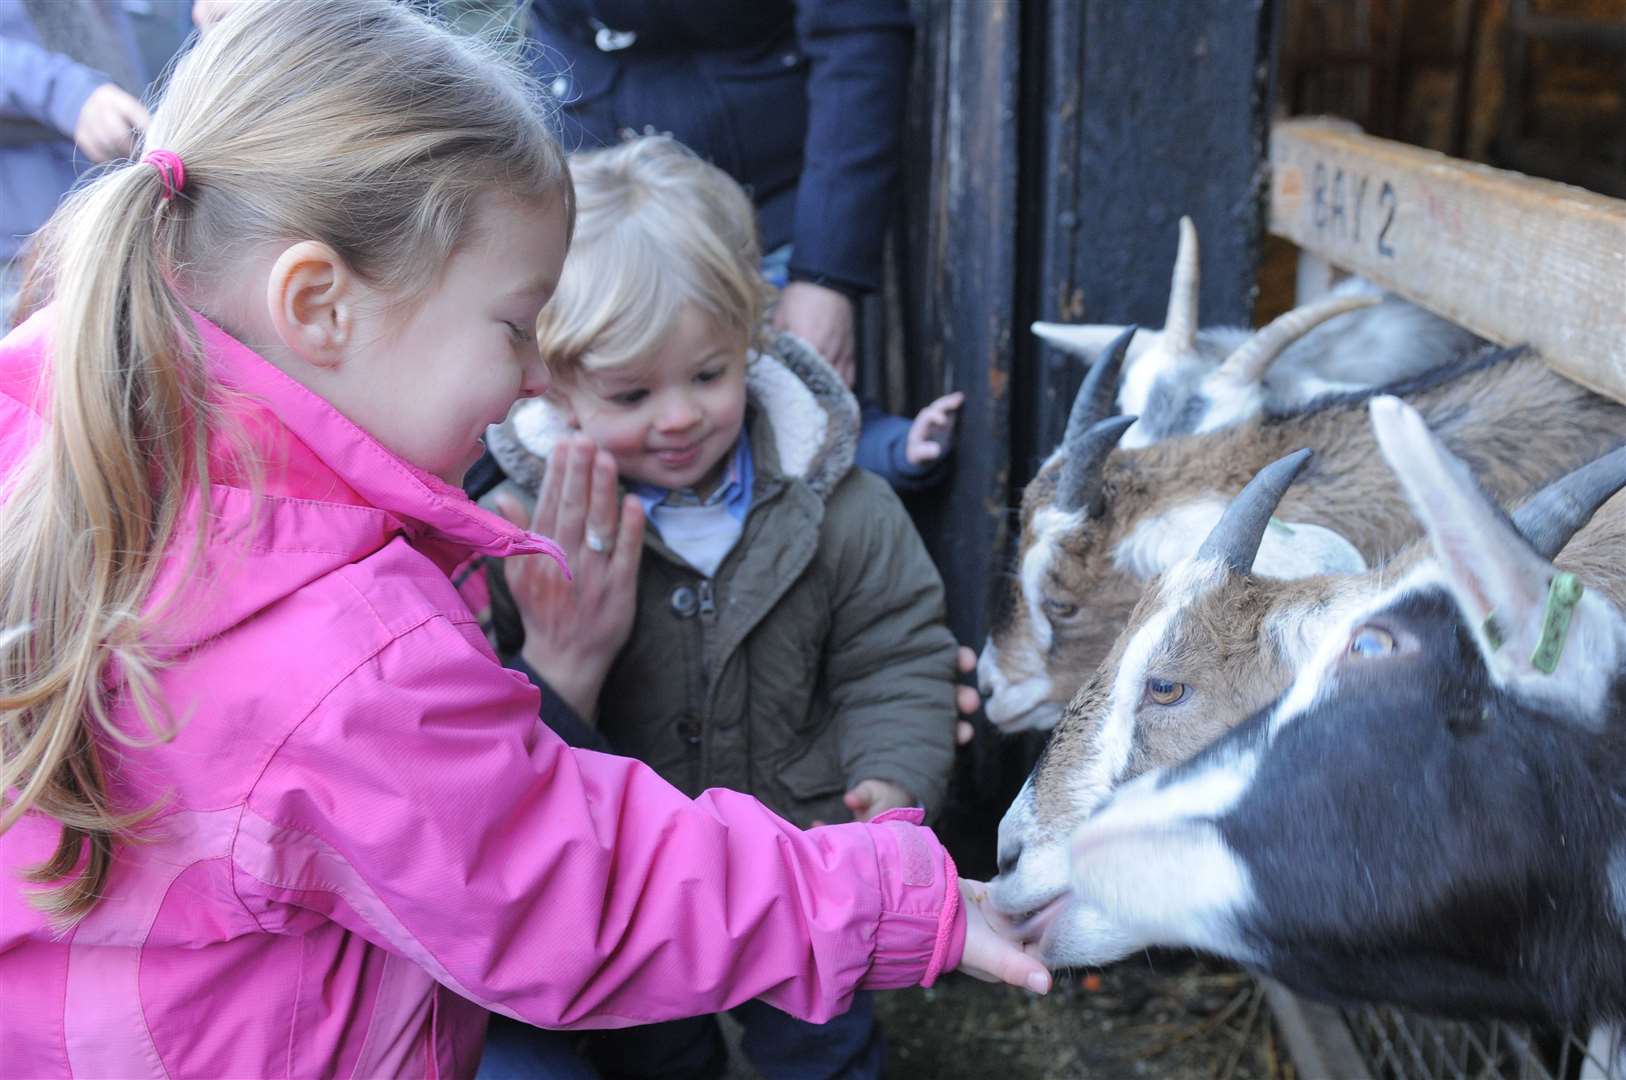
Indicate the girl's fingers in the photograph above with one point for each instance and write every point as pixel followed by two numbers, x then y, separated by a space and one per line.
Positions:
pixel 546 517
pixel 509 508
pixel 629 541
pixel 602 506
pixel 572 515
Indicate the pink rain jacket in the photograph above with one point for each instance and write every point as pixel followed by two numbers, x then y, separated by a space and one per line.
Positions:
pixel 366 836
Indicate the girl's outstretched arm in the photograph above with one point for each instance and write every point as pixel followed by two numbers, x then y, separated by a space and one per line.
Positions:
pixel 421 805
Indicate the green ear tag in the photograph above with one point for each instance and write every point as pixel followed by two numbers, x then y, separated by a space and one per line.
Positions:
pixel 1277 523
pixel 1562 596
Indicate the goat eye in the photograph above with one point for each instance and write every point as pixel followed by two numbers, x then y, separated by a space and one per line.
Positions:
pixel 1372 641
pixel 1165 692
pixel 1058 610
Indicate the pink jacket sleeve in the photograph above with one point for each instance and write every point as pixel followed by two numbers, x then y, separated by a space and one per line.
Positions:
pixel 422 806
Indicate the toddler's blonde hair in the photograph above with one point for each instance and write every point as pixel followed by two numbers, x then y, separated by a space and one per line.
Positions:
pixel 353 122
pixel 657 230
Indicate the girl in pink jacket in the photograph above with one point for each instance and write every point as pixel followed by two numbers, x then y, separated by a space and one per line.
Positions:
pixel 271 805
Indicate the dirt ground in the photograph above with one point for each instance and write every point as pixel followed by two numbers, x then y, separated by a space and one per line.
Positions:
pixel 1168 1016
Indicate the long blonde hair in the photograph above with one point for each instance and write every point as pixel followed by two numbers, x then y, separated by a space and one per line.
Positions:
pixel 353 122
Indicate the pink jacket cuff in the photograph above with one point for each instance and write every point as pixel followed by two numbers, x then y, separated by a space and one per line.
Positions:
pixel 922 926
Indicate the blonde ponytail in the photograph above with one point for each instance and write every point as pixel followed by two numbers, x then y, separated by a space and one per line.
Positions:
pixel 353 122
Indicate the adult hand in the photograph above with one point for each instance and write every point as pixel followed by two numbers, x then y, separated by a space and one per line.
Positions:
pixel 573 629
pixel 966 698
pixel 823 318
pixel 932 432
pixel 108 123
pixel 989 955
pixel 205 13
pixel 871 797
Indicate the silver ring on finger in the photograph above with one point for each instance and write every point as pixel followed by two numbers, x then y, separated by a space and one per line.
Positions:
pixel 596 543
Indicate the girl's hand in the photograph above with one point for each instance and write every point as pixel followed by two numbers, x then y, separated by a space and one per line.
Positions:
pixel 871 797
pixel 573 629
pixel 991 957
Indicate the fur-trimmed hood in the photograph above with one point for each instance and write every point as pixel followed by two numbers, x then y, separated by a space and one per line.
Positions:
pixel 811 416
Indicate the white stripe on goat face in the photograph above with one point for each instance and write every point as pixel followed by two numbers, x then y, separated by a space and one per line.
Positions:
pixel 1153 864
pixel 1049 526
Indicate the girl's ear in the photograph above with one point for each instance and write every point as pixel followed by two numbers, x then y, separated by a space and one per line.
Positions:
pixel 311 297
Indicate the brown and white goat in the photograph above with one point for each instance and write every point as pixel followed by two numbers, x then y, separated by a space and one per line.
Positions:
pixel 1183 380
pixel 1098 523
pixel 1211 643
pixel 1434 813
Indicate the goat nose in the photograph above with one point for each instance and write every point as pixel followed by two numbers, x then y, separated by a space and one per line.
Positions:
pixel 1009 858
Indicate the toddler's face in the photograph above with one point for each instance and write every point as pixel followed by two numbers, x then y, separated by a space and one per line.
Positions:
pixel 672 417
pixel 427 381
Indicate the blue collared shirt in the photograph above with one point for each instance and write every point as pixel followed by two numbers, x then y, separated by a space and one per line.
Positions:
pixel 703 530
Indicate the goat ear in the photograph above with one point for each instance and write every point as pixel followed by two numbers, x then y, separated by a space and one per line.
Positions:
pixel 1084 340
pixel 1499 581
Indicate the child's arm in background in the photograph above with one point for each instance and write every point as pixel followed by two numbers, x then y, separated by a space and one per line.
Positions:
pixel 422 806
pixel 889 657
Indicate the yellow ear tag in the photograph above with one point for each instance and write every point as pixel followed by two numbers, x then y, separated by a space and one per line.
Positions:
pixel 1562 596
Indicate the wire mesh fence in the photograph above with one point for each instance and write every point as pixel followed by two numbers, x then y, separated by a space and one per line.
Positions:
pixel 1401 1045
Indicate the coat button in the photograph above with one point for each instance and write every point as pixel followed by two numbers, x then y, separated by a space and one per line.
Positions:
pixel 689 727
pixel 684 602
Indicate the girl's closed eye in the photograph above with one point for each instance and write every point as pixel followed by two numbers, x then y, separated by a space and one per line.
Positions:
pixel 521 333
pixel 629 398
pixel 709 375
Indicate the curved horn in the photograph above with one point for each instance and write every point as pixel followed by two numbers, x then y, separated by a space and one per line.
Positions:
pixel 1080 485
pixel 1236 537
pixel 1180 324
pixel 1098 395
pixel 1255 355
pixel 1561 509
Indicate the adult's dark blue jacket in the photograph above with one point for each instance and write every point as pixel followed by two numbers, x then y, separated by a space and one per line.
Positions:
pixel 801 102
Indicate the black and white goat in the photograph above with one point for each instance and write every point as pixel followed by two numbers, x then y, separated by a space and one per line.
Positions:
pixel 1434 813
pixel 1183 380
pixel 1212 642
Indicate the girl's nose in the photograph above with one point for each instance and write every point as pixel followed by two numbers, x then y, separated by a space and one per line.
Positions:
pixel 535 380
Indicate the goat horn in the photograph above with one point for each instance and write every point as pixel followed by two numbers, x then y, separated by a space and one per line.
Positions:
pixel 1561 509
pixel 1255 355
pixel 1180 325
pixel 1097 398
pixel 1077 339
pixel 1236 536
pixel 1080 484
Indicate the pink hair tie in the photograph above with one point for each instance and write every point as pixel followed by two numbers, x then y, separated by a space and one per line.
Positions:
pixel 170 170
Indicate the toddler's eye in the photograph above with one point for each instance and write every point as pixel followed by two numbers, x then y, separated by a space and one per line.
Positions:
pixel 1165 692
pixel 709 375
pixel 1372 641
pixel 629 397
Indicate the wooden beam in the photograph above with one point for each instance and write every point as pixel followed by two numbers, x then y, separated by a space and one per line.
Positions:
pixel 1510 257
